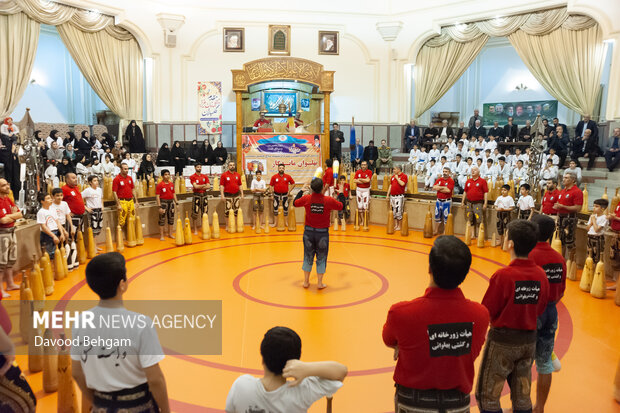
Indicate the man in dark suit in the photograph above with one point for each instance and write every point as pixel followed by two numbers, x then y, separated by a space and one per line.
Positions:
pixel 430 134
pixel 336 137
pixel 478 130
pixel 511 132
pixel 473 119
pixel 371 154
pixel 556 123
pixel 462 130
pixel 525 134
pixel 412 135
pixel 612 151
pixel 445 132
pixel 559 141
pixel 584 124
pixel 497 132
pixel 587 147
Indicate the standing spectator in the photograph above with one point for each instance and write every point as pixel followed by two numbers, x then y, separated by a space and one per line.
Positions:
pixel 220 154
pixel 511 131
pixel 516 296
pixel 555 268
pixel 133 135
pixel 280 351
pixel 164 158
pixel 336 137
pixel 444 187
pixel 179 158
pixel 474 118
pixel 585 124
pixel 396 195
pixel 231 191
pixel 9 213
pixel 371 155
pixel 437 337
pixel 612 152
pixel 412 135
pixel 586 147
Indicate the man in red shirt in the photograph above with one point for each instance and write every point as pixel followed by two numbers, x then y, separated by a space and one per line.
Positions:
pixel 231 191
pixel 166 202
pixel 73 197
pixel 444 187
pixel 555 268
pixel 362 190
pixel 475 198
pixel 262 121
pixel 200 202
pixel 396 194
pixel 316 231
pixel 9 213
pixel 125 195
pixel 516 296
pixel 550 198
pixel 570 201
pixel 281 185
pixel 437 337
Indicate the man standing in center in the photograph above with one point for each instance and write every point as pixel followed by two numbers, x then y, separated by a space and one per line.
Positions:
pixel 73 197
pixel 200 202
pixel 444 186
pixel 124 195
pixel 570 201
pixel 231 191
pixel 475 199
pixel 316 231
pixel 396 195
pixel 281 184
pixel 362 191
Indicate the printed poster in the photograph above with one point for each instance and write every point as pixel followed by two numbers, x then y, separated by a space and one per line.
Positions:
pixel 520 111
pixel 210 106
pixel 300 153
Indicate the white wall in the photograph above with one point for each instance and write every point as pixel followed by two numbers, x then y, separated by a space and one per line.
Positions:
pixel 60 94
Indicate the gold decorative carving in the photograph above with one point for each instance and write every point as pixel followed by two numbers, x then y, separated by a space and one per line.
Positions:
pixel 283 68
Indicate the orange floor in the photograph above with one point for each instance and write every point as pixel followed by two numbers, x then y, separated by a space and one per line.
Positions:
pixel 258 277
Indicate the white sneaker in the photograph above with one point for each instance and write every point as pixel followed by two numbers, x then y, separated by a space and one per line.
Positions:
pixel 555 361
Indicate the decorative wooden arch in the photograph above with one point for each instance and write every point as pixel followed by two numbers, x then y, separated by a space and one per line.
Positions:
pixel 283 68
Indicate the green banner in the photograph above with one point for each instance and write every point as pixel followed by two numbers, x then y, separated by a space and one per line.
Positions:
pixel 520 111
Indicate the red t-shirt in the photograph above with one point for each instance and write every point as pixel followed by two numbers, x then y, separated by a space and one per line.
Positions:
pixel 280 183
pixel 395 188
pixel 73 198
pixel 615 224
pixel 165 190
pixel 260 122
pixel 123 186
pixel 367 174
pixel 449 183
pixel 6 206
pixel 555 267
pixel 549 200
pixel 570 197
pixel 231 182
pixel 475 189
pixel 346 189
pixel 517 295
pixel 318 207
pixel 199 180
pixel 328 177
pixel 439 336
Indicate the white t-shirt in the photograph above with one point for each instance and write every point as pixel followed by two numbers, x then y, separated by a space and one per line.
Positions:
pixel 504 202
pixel 602 222
pixel 256 184
pixel 61 210
pixel 124 368
pixel 47 217
pixel 92 197
pixel 525 203
pixel 248 394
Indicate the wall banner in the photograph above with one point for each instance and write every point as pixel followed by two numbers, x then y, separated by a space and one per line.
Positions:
pixel 210 107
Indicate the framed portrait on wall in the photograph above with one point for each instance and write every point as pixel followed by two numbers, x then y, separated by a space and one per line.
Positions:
pixel 279 40
pixel 329 43
pixel 234 39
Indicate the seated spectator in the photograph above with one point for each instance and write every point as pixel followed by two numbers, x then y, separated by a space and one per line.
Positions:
pixel 164 156
pixel 220 154
pixel 525 134
pixel 586 147
pixel 65 167
pixel 281 350
pixel 54 153
pixel 612 151
pixel 434 372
